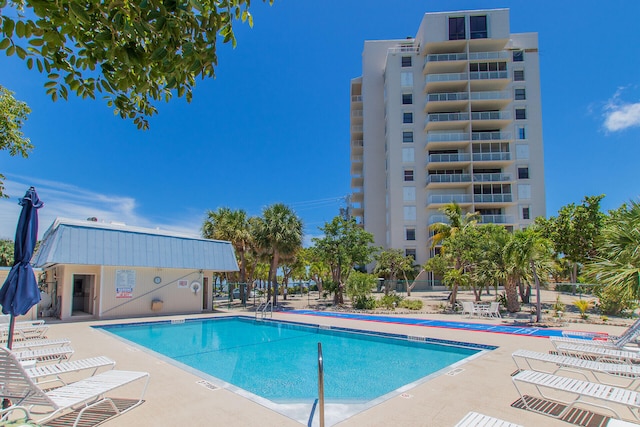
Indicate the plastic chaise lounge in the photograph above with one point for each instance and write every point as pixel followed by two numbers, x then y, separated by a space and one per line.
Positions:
pixel 599 354
pixel 475 419
pixel 40 342
pixel 54 372
pixel 586 393
pixel 619 343
pixel 21 390
pixel 43 354
pixel 601 372
pixel 23 331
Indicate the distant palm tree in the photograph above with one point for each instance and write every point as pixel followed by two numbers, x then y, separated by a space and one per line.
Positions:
pixel 279 232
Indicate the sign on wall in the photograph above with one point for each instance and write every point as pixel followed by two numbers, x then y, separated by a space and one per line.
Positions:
pixel 125 282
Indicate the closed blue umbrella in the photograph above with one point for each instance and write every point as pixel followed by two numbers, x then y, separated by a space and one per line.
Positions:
pixel 20 291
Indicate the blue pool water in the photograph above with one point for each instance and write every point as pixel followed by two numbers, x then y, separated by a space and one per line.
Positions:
pixel 278 361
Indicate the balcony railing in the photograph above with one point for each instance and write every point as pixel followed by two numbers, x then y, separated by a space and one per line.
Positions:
pixel 403 49
pixel 489 55
pixel 357 128
pixel 357 143
pixel 491 177
pixel 491 136
pixel 492 198
pixel 455 96
pixel 488 75
pixel 447 136
pixel 491 157
pixel 447 77
pixel 496 219
pixel 446 57
pixel 453 157
pixel 490 95
pixel 356 113
pixel 356 98
pixel 491 115
pixel 447 178
pixel 447 117
pixel 356 159
pixel 450 198
pixel 438 218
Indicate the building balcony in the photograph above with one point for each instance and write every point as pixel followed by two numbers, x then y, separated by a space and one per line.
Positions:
pixel 460 160
pixel 357 197
pixel 356 129
pixel 442 199
pixel 491 177
pixel 490 136
pixel 473 56
pixel 356 166
pixel 490 119
pixel 433 219
pixel 493 198
pixel 357 181
pixel 496 219
pixel 436 121
pixel 356 98
pixel 357 147
pixel 357 113
pixel 357 212
pixel 451 101
pixel 500 156
pixel 443 62
pixel 447 180
pixel 446 82
pixel 437 140
pixel 486 81
pixel 490 100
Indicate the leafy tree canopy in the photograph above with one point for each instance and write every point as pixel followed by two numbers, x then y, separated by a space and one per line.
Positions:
pixel 13 114
pixel 134 52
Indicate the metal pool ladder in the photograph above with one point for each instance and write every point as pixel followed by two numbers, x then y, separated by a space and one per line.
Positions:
pixel 264 308
pixel 319 402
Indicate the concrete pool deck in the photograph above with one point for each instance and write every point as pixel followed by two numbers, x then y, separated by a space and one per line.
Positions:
pixel 175 397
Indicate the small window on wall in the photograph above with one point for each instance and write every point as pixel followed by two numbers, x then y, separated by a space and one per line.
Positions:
pixel 518 75
pixel 410 252
pixel 520 94
pixel 406 61
pixel 521 113
pixel 456 28
pixel 523 172
pixel 478 27
pixel 408 174
pixel 407 117
pixel 407 136
pixel 526 212
pixel 518 55
pixel 407 99
pixel 410 234
pixel 522 132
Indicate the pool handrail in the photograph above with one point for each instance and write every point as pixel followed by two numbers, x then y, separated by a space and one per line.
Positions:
pixel 320 385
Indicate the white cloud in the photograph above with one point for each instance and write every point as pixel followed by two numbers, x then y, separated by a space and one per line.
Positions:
pixel 68 201
pixel 620 115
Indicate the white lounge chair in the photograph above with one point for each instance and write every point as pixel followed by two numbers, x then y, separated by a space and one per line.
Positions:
pixel 585 393
pixel 469 309
pixel 53 372
pixel 598 371
pixel 475 419
pixel 600 354
pixel 42 342
pixel 619 343
pixel 17 386
pixel 494 310
pixel 24 331
pixel 50 354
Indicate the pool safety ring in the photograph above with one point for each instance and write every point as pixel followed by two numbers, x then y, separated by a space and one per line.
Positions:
pixel 195 287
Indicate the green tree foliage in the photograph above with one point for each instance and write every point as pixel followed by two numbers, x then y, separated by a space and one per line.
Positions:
pixel 134 53
pixel 391 264
pixel 574 231
pixel 6 253
pixel 617 262
pixel 279 233
pixel 13 114
pixel 344 246
pixel 358 288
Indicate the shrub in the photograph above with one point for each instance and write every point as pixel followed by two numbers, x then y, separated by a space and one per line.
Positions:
pixel 411 304
pixel 583 305
pixel 364 303
pixel 558 305
pixel 614 303
pixel 390 301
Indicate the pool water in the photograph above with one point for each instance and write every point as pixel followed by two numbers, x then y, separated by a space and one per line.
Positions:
pixel 279 361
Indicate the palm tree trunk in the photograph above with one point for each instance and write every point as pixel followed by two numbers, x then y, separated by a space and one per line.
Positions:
pixel 511 291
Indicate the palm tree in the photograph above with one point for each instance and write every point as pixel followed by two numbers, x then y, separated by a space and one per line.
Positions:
pixel 279 233
pixel 617 264
pixel 526 252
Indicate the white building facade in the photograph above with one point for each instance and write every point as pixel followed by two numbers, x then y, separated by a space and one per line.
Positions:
pixel 453 115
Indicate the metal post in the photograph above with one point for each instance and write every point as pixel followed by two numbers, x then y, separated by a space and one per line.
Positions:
pixel 320 385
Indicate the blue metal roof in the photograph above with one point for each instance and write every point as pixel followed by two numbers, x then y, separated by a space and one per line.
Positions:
pixel 94 243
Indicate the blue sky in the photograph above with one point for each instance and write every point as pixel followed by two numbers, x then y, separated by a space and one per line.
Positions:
pixel 273 126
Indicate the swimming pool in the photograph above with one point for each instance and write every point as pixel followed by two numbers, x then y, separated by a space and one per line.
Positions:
pixel 277 361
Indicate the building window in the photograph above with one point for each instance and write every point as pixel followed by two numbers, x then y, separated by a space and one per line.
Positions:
pixel 409 194
pixel 406 61
pixel 410 252
pixel 407 98
pixel 478 27
pixel 520 94
pixel 522 132
pixel 524 191
pixel 407 117
pixel 523 172
pixel 526 212
pixel 409 213
pixel 518 55
pixel 521 113
pixel 407 136
pixel 456 28
pixel 518 75
pixel 408 155
pixel 410 234
pixel 408 174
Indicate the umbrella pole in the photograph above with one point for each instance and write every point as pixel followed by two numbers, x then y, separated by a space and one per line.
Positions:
pixel 12 321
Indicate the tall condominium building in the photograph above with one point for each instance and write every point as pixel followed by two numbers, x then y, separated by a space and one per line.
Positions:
pixel 452 115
